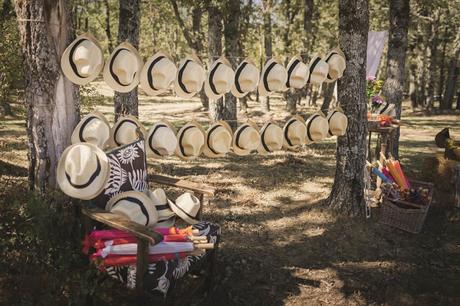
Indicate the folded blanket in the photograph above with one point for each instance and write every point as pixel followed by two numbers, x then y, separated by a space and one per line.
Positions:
pixel 160 248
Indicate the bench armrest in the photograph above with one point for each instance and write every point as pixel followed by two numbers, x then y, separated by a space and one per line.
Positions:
pixel 180 183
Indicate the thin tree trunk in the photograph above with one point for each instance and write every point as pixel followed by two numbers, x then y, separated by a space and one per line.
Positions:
pixel 433 52
pixel 267 18
pixel 347 195
pixel 328 93
pixel 292 95
pixel 108 32
pixel 413 87
pixel 442 67
pixel 52 100
pixel 214 51
pixel 452 74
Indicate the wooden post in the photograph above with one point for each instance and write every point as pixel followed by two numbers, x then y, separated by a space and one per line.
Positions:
pixel 142 262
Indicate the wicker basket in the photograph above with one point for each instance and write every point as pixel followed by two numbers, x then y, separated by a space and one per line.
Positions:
pixel 406 215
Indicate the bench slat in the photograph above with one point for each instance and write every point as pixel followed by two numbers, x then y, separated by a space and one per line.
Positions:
pixel 180 183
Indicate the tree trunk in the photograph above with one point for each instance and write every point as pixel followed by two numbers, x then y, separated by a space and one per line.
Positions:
pixel 108 32
pixel 328 93
pixel 413 87
pixel 52 100
pixel 347 195
pixel 267 18
pixel 433 52
pixel 452 74
pixel 292 95
pixel 214 52
pixel 442 67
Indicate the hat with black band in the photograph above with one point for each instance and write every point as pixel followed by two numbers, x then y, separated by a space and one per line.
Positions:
pixel 219 138
pixel 187 207
pixel 93 128
pixel 157 74
pixel 317 71
pixel 337 64
pixel 134 205
pixel 219 80
pixel 126 130
pixel 271 138
pixel 338 122
pixel 273 78
pixel 191 139
pixel 294 132
pixel 317 127
pixel 246 79
pixel 161 139
pixel 162 204
pixel 297 73
pixel 190 77
pixel 246 139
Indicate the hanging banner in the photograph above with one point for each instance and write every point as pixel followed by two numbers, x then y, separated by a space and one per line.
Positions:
pixel 375 45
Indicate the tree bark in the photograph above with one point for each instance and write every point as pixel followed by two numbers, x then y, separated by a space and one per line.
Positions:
pixel 108 31
pixel 347 195
pixel 52 100
pixel 215 27
pixel 328 93
pixel 452 75
pixel 291 95
pixel 432 58
pixel 267 19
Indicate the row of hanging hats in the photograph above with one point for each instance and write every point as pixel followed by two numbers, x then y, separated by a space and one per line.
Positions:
pixel 83 60
pixel 192 140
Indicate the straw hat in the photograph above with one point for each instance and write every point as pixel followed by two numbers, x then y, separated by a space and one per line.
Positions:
pixel 297 73
pixel 294 132
pixel 271 138
pixel 134 205
pixel 187 207
pixel 246 138
pixel 338 122
pixel 386 109
pixel 191 139
pixel 82 60
pixel 162 204
pixel 161 139
pixel 317 127
pixel 246 79
pixel 219 80
pixel 93 128
pixel 190 77
pixel 218 140
pixel 337 64
pixel 125 130
pixel 123 67
pixel 82 171
pixel 157 74
pixel 273 78
pixel 317 71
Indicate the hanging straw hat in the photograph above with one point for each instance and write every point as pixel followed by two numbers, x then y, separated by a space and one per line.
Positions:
pixel 187 207
pixel 317 71
pixel 246 79
pixel 218 140
pixel 338 122
pixel 190 77
pixel 123 67
pixel 191 139
pixel 246 138
pixel 161 139
pixel 134 205
pixel 82 60
pixel 125 130
pixel 294 132
pixel 297 73
pixel 317 127
pixel 273 78
pixel 271 138
pixel 82 171
pixel 219 80
pixel 337 64
pixel 157 74
pixel 93 128
pixel 162 204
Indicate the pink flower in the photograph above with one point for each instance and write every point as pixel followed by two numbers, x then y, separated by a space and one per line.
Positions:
pixel 370 78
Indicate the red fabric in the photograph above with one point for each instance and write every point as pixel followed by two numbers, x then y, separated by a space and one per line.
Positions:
pixel 115 260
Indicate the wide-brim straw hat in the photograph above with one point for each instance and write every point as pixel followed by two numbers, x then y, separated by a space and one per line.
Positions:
pixel 338 122
pixel 126 130
pixel 271 138
pixel 157 74
pixel 297 73
pixel 246 79
pixel 93 128
pixel 161 139
pixel 191 139
pixel 219 80
pixel 317 127
pixel 123 68
pixel 82 60
pixel 337 64
pixel 135 205
pixel 273 78
pixel 162 204
pixel 187 207
pixel 190 77
pixel 219 139
pixel 317 71
pixel 82 171
pixel 246 138
pixel 294 132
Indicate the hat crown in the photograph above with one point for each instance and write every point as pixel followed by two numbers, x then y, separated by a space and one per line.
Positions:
pixel 297 132
pixel 249 77
pixel 87 58
pixel 163 73
pixel 193 76
pixel 220 140
pixel 80 164
pixel 223 78
pixel 125 71
pixel 338 123
pixel 189 204
pixel 159 197
pixel 249 138
pixel 96 132
pixel 318 127
pixel 192 141
pixel 126 133
pixel 277 77
pixel 164 140
pixel 131 211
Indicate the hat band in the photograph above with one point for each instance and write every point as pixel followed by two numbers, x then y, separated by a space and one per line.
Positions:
pixel 207 139
pixel 180 140
pixel 186 213
pixel 237 76
pixel 267 71
pixel 149 72
pixel 211 76
pixel 179 77
pixel 329 121
pixel 290 70
pixel 82 128
pixel 286 131
pixel 309 125
pixel 114 76
pixel 90 180
pixel 151 138
pixel 162 207
pixel 312 67
pixel 238 134
pixel 262 138
pixel 327 61
pixel 384 108
pixel 118 127
pixel 72 64
pixel 139 203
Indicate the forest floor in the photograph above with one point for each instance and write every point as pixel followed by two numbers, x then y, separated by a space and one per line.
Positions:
pixel 280 244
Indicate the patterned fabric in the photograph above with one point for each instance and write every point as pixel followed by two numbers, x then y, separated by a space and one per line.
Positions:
pixel 162 276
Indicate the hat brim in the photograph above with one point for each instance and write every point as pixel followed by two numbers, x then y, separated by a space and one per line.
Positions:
pixel 143 77
pixel 147 202
pixel 181 131
pixel 150 152
pixel 181 214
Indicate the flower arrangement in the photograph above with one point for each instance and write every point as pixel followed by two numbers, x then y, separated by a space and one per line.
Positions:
pixel 373 89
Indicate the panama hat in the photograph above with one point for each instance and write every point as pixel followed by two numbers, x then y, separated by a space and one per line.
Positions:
pixel 337 64
pixel 246 79
pixel 317 71
pixel 162 204
pixel 93 128
pixel 82 171
pixel 190 77
pixel 385 109
pixel 294 132
pixel 122 70
pixel 338 122
pixel 187 207
pixel 218 140
pixel 157 74
pixel 191 139
pixel 125 130
pixel 297 73
pixel 82 60
pixel 135 205
pixel 161 139
pixel 273 78
pixel 317 127
pixel 219 80
pixel 271 138
pixel 246 138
